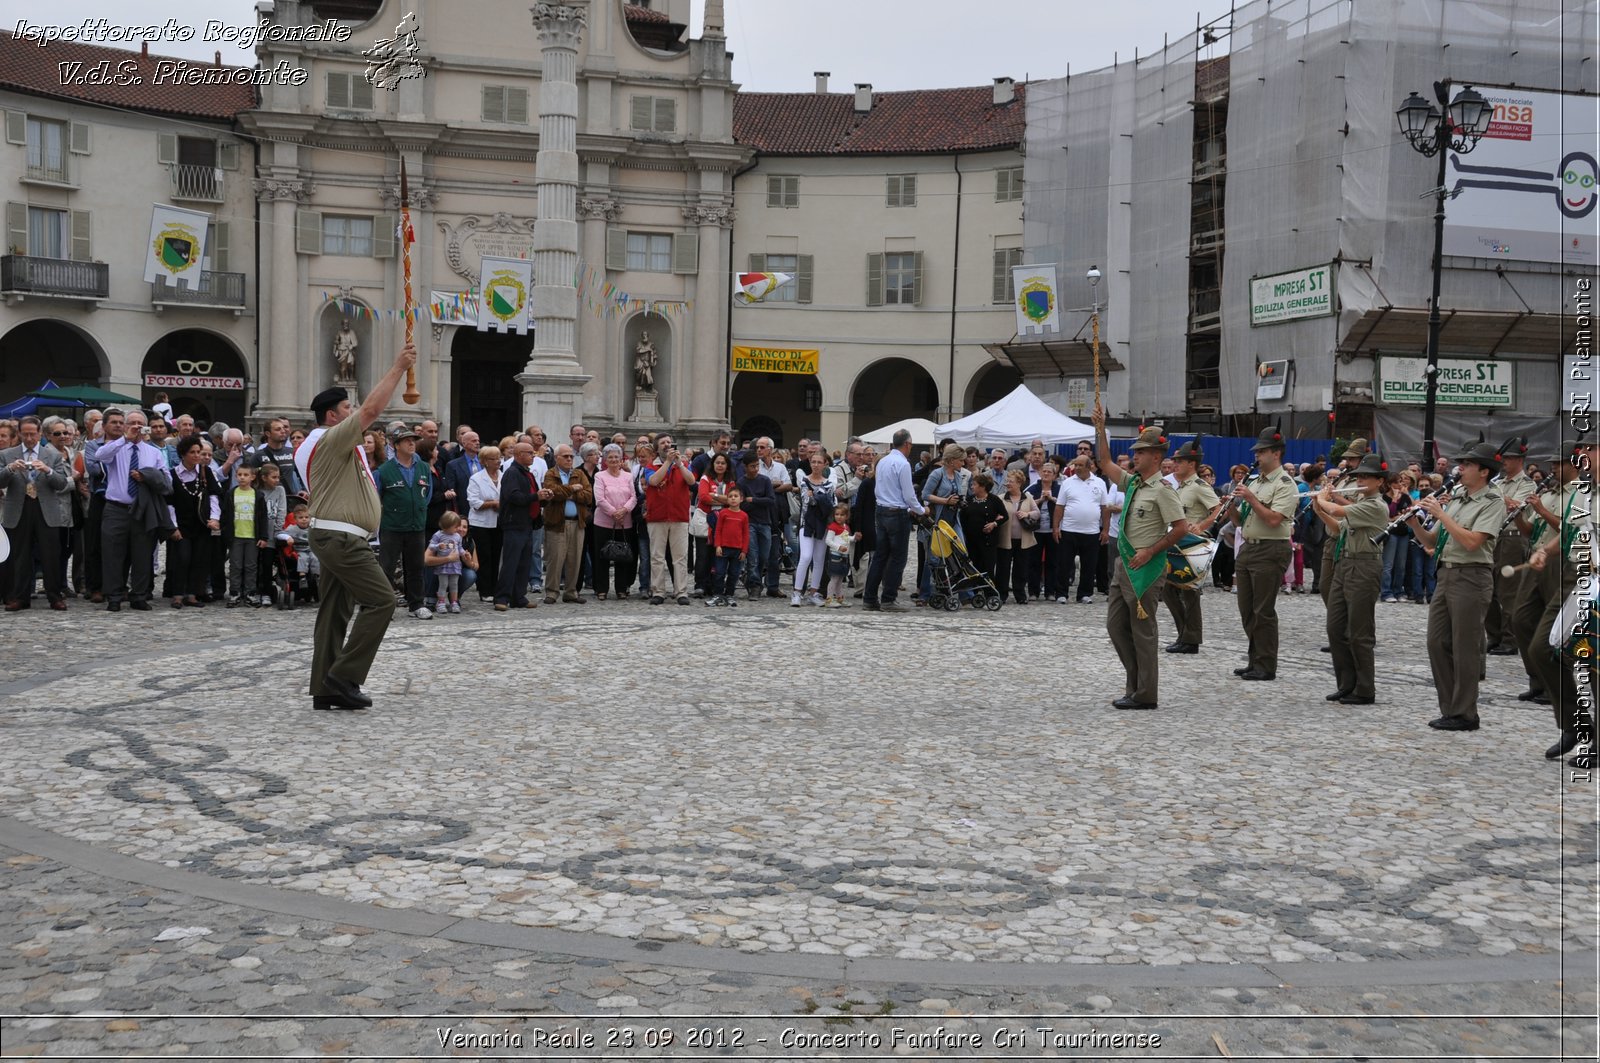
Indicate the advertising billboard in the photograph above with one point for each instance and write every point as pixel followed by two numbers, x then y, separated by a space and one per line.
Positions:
pixel 1527 192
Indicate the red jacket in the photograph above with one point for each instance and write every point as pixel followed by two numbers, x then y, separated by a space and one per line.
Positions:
pixel 668 503
pixel 732 530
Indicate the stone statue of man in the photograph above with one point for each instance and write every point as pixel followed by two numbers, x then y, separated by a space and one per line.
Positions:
pixel 644 363
pixel 344 352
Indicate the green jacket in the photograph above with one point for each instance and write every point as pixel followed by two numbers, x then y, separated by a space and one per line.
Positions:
pixel 405 507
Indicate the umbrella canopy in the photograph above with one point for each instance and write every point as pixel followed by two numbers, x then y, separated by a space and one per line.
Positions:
pixel 922 431
pixel 82 395
pixel 1016 420
pixel 28 403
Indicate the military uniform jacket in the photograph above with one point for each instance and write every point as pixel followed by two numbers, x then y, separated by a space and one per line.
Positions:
pixel 1572 504
pixel 1517 489
pixel 1277 491
pixel 1361 521
pixel 1197 499
pixel 336 473
pixel 1482 512
pixel 1155 509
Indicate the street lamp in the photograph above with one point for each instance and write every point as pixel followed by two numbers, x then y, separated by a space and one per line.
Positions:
pixel 1094 287
pixel 1432 131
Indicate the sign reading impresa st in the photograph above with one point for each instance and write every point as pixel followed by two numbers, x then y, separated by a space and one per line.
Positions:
pixel 1462 382
pixel 1300 293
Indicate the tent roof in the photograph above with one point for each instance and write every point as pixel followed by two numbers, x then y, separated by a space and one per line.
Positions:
pixel 922 431
pixel 1016 420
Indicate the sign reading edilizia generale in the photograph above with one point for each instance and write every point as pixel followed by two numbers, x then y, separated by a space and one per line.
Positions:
pixel 1300 293
pixel 1462 382
pixel 801 360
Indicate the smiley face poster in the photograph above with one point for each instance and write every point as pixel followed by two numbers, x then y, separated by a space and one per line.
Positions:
pixel 1528 191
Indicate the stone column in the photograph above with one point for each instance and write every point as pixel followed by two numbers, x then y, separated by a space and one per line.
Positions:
pixel 553 382
pixel 706 349
pixel 288 378
pixel 597 357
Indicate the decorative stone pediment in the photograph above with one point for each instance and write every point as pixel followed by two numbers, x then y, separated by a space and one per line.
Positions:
pixel 467 241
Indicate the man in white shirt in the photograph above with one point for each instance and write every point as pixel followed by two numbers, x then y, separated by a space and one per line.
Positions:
pixel 1082 524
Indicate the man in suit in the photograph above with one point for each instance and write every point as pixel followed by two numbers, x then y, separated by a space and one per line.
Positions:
pixel 37 506
pixel 518 492
pixel 459 471
pixel 137 486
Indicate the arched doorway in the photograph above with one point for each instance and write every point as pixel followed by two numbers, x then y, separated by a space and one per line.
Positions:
pixel 785 406
pixel 989 385
pixel 483 381
pixel 892 390
pixel 36 351
pixel 200 373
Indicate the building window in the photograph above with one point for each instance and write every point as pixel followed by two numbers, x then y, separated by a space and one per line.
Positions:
pixel 790 264
pixel 347 235
pixel 349 92
pixel 505 103
pixel 900 279
pixel 49 235
pixel 653 114
pixel 1008 185
pixel 47 150
pixel 902 190
pixel 1005 259
pixel 783 191
pixel 650 252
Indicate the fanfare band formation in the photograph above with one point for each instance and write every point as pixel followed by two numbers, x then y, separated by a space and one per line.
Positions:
pixel 1514 561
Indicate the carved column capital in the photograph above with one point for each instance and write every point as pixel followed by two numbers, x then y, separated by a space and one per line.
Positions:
pixel 699 215
pixel 560 25
pixel 599 208
pixel 271 188
pixel 423 196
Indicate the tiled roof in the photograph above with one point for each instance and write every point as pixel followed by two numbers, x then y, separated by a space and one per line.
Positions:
pixel 27 67
pixel 922 121
pixel 635 13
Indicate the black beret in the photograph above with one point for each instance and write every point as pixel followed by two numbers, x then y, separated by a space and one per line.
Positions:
pixel 327 400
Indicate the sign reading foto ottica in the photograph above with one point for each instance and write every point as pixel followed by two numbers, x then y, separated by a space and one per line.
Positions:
pixel 1462 382
pixel 1291 296
pixel 801 360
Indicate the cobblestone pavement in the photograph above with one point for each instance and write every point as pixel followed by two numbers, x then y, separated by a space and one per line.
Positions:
pixel 622 809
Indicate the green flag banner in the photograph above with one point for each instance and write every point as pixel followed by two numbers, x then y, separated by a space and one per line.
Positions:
pixel 1144 576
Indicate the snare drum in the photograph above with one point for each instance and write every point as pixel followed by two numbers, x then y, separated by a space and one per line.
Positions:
pixel 1190 560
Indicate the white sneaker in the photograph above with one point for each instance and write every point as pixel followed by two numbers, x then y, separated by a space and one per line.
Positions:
pixel 1061 600
pixel 794 600
pixel 1087 599
pixel 423 613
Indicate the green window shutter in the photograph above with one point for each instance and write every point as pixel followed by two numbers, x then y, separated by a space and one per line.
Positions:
pixel 916 281
pixel 228 155
pixel 617 249
pixel 908 190
pixel 494 103
pixel 81 250
pixel 1002 275
pixel 666 117
pixel 802 278
pixel 686 252
pixel 219 247
pixel 360 92
pixel 78 138
pixel 167 149
pixel 16 127
pixel 774 191
pixel 17 228
pixel 338 90
pixel 517 106
pixel 875 279
pixel 758 263
pixel 641 110
pixel 308 232
pixel 383 237
pixel 891 191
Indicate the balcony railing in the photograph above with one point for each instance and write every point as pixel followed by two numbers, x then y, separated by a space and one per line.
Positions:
pixel 214 289
pixel 55 175
pixel 55 276
pixel 197 182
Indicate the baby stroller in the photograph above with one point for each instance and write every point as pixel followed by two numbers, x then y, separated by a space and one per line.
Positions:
pixel 954 575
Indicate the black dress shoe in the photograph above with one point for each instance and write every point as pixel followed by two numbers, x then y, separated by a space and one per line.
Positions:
pixel 1241 671
pixel 1353 699
pixel 139 607
pixel 1541 699
pixel 1325 649
pixel 1126 702
pixel 1581 760
pixel 1453 723
pixel 1255 676
pixel 1339 695
pixel 1530 695
pixel 1183 647
pixel 1502 650
pixel 113 607
pixel 324 701
pixel 1569 742
pixel 346 692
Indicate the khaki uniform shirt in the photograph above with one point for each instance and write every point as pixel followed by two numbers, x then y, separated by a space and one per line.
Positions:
pixel 1572 504
pixel 1155 509
pixel 1361 521
pixel 1277 491
pixel 1482 512
pixel 1197 499
pixel 1518 489
pixel 341 485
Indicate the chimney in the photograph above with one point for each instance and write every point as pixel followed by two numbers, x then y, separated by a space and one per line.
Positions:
pixel 863 97
pixel 713 18
pixel 822 82
pixel 1005 90
pixel 217 59
pixel 144 49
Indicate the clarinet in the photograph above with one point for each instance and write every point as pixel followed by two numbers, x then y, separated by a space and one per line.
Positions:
pixel 1399 522
pixel 1515 513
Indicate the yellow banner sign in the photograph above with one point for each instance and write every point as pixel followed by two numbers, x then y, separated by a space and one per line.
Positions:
pixel 775 360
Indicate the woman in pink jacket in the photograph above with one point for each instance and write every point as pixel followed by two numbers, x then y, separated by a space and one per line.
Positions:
pixel 613 522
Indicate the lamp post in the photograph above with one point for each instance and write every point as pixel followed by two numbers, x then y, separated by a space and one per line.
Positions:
pixel 1094 320
pixel 1438 131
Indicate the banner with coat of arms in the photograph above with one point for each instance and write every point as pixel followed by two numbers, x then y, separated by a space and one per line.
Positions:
pixel 1036 298
pixel 506 295
pixel 177 245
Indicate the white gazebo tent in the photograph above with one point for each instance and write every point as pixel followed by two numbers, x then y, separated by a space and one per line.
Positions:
pixel 922 431
pixel 1015 421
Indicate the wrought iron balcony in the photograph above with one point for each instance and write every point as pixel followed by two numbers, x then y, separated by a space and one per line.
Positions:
pixel 224 290
pixel 21 274
pixel 197 182
pixel 44 173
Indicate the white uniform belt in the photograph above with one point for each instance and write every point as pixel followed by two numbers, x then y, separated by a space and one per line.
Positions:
pixel 321 524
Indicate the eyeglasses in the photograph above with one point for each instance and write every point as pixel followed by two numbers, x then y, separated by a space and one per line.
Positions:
pixel 57 434
pixel 202 368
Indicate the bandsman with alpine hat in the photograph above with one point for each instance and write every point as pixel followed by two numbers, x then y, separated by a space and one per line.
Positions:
pixel 1511 548
pixel 1462 540
pixel 1200 507
pixel 1354 578
pixel 1265 507
pixel 1344 483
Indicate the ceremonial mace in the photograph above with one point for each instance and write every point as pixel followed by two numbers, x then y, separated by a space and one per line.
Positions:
pixel 412 396
pixel 1094 287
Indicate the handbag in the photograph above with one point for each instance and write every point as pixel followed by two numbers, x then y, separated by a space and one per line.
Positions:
pixel 616 551
pixel 699 527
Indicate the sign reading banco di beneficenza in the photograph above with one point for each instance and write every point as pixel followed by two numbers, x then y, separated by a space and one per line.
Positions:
pixel 1462 382
pixel 801 360
pixel 1291 296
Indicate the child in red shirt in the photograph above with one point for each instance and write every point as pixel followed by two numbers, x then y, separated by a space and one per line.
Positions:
pixel 731 537
pixel 839 541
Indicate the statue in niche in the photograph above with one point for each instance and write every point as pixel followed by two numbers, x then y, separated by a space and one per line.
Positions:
pixel 644 363
pixel 344 353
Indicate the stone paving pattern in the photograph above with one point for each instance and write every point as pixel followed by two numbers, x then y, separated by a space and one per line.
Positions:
pixel 766 783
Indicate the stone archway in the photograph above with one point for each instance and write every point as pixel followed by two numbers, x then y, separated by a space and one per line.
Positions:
pixel 890 390
pixel 989 385
pixel 483 380
pixel 780 405
pixel 201 374
pixel 46 349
